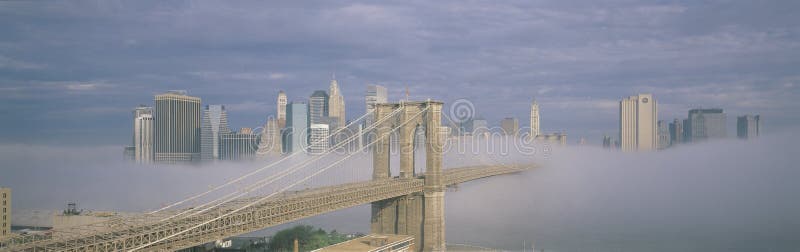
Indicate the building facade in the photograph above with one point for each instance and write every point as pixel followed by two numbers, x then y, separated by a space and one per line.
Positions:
pixel 318 138
pixel 296 133
pixel 336 103
pixel 240 145
pixel 637 123
pixel 748 126
pixel 535 130
pixel 215 123
pixel 5 229
pixel 143 138
pixel 553 138
pixel 282 101
pixel 510 126
pixel 176 119
pixel 317 107
pixel 480 127
pixel 705 124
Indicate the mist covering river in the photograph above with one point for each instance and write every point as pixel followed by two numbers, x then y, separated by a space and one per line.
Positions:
pixel 727 195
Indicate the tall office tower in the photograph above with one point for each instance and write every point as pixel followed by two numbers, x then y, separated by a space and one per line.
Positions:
pixel 317 107
pixel 687 131
pixel 5 230
pixel 238 145
pixel 215 122
pixel 663 135
pixel 375 94
pixel 282 109
pixel 535 131
pixel 510 126
pixel 637 123
pixel 675 132
pixel 336 103
pixel 748 126
pixel 143 138
pixel 176 118
pixel 139 111
pixel 707 124
pixel 270 143
pixel 318 139
pixel 607 142
pixel 296 137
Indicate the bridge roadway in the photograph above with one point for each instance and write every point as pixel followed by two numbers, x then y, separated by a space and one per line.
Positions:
pixel 129 233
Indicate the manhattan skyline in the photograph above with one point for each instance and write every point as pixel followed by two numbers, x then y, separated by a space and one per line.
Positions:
pixel 74 83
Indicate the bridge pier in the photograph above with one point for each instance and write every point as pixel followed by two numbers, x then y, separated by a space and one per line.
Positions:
pixel 419 214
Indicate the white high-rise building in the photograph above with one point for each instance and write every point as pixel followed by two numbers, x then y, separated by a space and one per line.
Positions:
pixel 282 101
pixel 535 130
pixel 638 117
pixel 318 139
pixel 143 138
pixel 215 123
pixel 336 103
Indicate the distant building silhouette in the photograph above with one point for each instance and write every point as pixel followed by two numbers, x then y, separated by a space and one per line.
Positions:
pixel 676 132
pixel 663 135
pixel 238 145
pixel 282 101
pixel 748 126
pixel 535 128
pixel 510 126
pixel 336 103
pixel 707 124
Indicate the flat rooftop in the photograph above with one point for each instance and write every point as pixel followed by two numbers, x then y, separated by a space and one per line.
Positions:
pixel 372 242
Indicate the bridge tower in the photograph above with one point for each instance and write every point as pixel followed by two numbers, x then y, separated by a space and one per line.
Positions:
pixel 420 214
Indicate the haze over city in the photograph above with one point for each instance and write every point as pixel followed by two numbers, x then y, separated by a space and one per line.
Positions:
pixel 423 125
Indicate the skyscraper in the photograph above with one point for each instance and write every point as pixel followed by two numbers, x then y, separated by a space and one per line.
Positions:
pixel 282 109
pixel 139 111
pixel 177 127
pixel 510 126
pixel 143 138
pixel 535 130
pixel 296 137
pixel 336 103
pixel 637 123
pixel 676 132
pixel 663 135
pixel 707 124
pixel 270 143
pixel 748 126
pixel 318 139
pixel 375 94
pixel 215 123
pixel 317 107
pixel 5 230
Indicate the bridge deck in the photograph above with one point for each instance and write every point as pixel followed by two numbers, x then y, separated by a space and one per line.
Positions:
pixel 132 232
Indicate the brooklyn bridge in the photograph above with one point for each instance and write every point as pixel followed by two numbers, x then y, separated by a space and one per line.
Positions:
pixel 407 203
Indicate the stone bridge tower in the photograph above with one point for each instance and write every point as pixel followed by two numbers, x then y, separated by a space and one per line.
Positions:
pixel 420 214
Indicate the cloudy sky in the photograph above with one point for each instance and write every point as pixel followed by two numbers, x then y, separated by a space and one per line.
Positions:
pixel 70 72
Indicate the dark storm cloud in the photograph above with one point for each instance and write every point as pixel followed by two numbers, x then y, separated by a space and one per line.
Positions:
pixel 575 58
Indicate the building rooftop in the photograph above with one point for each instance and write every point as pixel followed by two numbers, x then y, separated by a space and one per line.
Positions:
pixel 373 242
